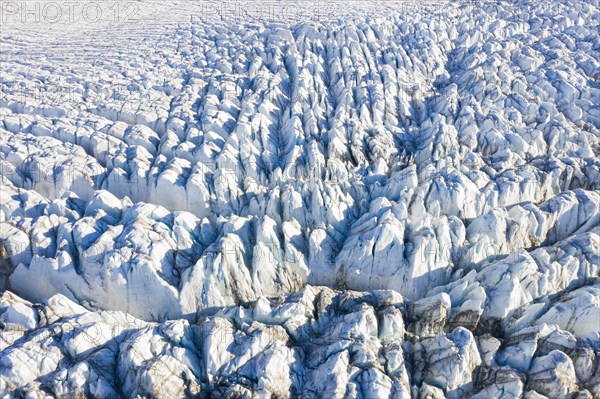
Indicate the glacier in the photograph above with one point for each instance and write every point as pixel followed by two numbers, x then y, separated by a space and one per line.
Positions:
pixel 336 199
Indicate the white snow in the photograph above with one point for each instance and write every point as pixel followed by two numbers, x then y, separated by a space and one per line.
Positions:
pixel 300 199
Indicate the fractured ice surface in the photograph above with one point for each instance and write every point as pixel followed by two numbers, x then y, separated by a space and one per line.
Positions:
pixel 388 200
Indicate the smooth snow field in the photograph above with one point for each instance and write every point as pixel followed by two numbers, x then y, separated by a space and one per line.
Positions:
pixel 300 199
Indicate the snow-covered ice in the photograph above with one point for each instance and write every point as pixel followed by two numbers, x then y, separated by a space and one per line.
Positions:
pixel 300 199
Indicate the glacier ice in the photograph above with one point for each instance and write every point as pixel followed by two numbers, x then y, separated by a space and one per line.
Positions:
pixel 390 199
